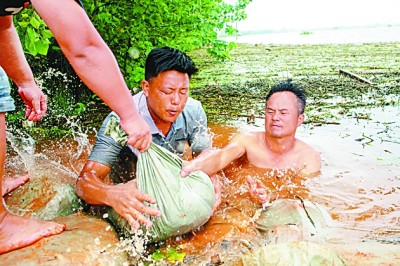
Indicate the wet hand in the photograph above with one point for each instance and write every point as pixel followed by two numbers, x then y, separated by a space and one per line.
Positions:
pixel 127 201
pixel 188 167
pixel 138 132
pixel 258 191
pixel 217 184
pixel 35 102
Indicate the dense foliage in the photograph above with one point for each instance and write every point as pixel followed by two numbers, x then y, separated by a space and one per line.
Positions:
pixel 138 26
pixel 131 29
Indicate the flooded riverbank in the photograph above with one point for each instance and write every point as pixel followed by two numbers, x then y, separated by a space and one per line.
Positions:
pixel 353 124
pixel 359 186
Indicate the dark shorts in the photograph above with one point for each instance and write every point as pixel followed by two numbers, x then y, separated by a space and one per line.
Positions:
pixel 6 102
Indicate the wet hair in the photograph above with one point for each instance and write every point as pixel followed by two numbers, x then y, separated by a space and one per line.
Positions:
pixel 168 58
pixel 290 87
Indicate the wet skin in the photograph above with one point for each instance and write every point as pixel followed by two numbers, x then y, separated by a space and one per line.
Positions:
pixel 274 148
pixel 166 97
pixel 10 184
pixel 15 231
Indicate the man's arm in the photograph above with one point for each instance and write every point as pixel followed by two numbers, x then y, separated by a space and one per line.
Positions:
pixel 212 160
pixel 90 185
pixel 125 199
pixel 13 61
pixel 94 63
pixel 12 58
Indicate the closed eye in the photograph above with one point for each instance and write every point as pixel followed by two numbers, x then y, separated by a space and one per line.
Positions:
pixel 167 92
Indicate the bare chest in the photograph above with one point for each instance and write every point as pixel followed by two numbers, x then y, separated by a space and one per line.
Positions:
pixel 265 159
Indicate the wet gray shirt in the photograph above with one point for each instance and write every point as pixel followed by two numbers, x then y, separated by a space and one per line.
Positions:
pixel 190 127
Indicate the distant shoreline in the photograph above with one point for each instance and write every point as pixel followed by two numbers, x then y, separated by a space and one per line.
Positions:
pixel 337 35
pixel 286 30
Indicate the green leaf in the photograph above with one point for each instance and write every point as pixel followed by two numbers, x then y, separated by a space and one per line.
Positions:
pixel 42 48
pixel 145 25
pixel 157 255
pixel 46 34
pixel 170 254
pixel 175 255
pixel 23 24
pixel 35 23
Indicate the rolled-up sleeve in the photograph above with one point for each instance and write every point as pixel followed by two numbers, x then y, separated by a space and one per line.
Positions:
pixel 105 150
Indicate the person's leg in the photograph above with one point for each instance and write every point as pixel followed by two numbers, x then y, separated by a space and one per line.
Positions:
pixel 9 184
pixel 15 231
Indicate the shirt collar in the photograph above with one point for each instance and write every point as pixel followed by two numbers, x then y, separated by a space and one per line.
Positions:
pixel 141 103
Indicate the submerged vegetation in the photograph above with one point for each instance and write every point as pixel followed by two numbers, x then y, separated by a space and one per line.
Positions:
pixel 232 88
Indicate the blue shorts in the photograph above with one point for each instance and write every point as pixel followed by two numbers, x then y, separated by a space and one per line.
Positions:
pixel 6 101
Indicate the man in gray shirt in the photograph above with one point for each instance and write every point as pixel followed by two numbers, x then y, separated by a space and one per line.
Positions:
pixel 174 119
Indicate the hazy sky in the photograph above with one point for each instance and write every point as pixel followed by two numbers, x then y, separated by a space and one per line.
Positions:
pixel 311 14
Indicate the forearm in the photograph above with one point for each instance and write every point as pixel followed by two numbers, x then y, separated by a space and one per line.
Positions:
pixel 92 189
pixel 12 58
pixel 88 54
pixel 213 160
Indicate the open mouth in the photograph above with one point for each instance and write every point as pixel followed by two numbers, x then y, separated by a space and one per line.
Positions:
pixel 172 112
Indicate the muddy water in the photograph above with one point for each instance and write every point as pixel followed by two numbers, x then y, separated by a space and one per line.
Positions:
pixel 359 184
pixel 360 179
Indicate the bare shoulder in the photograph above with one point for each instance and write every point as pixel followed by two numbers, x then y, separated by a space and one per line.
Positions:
pixel 303 147
pixel 310 158
pixel 247 137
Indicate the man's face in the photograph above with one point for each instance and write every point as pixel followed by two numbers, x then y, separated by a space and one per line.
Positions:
pixel 166 95
pixel 281 115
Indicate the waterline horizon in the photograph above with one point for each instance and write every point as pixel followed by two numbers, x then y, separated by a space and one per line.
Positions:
pixel 377 34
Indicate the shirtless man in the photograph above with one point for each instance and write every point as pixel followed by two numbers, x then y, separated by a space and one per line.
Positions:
pixel 275 148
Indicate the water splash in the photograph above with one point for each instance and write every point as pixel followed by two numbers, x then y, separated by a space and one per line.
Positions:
pixel 81 145
pixel 24 145
pixel 136 246
pixel 36 164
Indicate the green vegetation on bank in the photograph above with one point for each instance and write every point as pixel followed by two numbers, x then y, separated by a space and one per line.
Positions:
pixel 131 30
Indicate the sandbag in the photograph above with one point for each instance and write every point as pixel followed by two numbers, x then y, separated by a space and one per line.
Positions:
pixel 185 203
pixel 288 219
pixel 293 253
